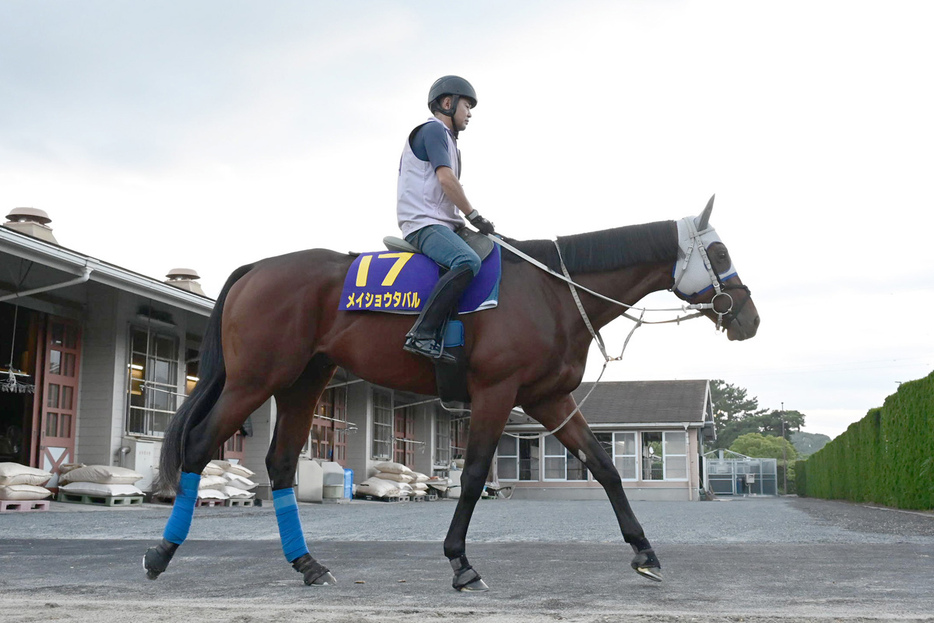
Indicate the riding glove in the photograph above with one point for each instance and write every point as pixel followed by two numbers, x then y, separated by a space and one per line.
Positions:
pixel 483 226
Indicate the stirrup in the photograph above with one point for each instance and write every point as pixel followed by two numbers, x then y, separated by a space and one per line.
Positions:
pixel 427 347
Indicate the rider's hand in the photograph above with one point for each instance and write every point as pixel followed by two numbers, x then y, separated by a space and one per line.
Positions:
pixel 483 226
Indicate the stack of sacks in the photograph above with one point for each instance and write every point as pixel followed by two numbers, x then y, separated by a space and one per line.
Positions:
pixel 420 485
pixel 391 480
pixel 100 480
pixel 19 482
pixel 229 479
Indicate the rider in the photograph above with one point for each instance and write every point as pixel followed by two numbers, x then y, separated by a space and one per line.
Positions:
pixel 429 195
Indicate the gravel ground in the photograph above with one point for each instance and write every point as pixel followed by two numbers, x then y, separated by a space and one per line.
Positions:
pixel 741 520
pixel 758 560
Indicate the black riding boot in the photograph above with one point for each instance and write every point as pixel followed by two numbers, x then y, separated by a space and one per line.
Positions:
pixel 425 336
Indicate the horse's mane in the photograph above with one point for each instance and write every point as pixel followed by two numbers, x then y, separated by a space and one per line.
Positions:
pixel 604 250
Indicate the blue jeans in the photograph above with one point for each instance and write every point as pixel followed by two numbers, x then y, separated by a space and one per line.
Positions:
pixel 444 247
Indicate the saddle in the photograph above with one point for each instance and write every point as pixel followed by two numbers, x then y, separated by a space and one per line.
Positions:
pixel 400 281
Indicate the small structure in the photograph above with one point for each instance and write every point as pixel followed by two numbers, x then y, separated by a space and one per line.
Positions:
pixel 654 431
pixel 730 473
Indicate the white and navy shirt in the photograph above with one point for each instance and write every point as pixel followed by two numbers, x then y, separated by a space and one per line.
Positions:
pixel 420 201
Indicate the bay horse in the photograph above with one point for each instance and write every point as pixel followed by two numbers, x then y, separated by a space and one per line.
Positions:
pixel 276 331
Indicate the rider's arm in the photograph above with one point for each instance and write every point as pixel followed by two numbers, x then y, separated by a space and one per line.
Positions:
pixel 431 143
pixel 453 190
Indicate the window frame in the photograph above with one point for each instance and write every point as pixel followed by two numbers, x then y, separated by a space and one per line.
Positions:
pixel 385 426
pixel 143 373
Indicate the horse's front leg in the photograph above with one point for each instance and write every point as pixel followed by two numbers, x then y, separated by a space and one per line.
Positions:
pixel 489 412
pixel 580 440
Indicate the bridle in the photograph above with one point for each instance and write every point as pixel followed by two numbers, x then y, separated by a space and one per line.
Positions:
pixel 691 243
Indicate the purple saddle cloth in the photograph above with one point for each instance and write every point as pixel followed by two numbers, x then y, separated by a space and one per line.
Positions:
pixel 400 283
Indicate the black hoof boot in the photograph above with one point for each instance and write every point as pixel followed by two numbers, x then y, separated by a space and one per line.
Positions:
pixel 646 564
pixel 157 558
pixel 466 578
pixel 314 573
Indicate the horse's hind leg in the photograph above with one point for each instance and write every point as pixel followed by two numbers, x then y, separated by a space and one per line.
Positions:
pixel 232 408
pixel 295 407
pixel 580 440
pixel 487 420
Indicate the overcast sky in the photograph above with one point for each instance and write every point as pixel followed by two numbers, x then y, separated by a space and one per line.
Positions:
pixel 209 134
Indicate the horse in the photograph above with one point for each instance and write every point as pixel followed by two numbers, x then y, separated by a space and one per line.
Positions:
pixel 276 331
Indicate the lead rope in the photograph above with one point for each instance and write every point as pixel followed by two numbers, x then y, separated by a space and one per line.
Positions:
pixel 597 338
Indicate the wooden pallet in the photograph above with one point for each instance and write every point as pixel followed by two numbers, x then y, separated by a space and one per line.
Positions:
pixel 210 502
pixel 240 502
pixel 373 498
pixel 10 506
pixel 100 500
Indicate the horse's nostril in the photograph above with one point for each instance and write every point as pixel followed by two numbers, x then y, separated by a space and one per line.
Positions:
pixel 755 322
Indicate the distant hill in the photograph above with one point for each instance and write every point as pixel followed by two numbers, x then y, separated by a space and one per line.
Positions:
pixel 808 443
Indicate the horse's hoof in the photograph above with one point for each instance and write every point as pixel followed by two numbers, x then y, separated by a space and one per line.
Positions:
pixel 313 572
pixel 466 578
pixel 157 558
pixel 646 564
pixel 151 574
pixel 476 586
pixel 325 580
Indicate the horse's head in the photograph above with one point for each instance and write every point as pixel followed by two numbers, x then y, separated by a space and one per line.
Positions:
pixel 704 276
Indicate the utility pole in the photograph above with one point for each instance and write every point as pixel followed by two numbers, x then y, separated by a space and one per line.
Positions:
pixel 784 452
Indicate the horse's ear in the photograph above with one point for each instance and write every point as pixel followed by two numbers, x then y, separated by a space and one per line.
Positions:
pixel 702 221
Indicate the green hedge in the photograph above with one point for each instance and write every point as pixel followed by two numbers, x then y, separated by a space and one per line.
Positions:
pixel 886 458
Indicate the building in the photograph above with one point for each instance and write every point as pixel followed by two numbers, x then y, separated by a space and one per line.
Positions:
pixel 95 359
pixel 653 430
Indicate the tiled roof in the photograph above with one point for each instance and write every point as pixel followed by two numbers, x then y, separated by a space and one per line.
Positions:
pixel 641 402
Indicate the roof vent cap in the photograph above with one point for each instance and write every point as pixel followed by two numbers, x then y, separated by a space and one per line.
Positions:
pixel 29 215
pixel 32 222
pixel 182 273
pixel 186 279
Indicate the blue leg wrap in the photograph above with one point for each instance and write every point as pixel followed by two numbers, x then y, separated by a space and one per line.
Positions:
pixel 176 531
pixel 290 526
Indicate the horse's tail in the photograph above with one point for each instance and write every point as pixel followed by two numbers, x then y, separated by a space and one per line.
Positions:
pixel 212 374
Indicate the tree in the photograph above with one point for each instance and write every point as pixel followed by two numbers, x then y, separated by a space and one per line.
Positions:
pixel 761 446
pixel 735 414
pixel 731 409
pixel 771 423
pixel 808 443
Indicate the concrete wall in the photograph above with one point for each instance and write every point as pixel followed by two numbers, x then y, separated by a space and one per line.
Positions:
pixel 358 443
pixel 661 494
pixel 97 393
pixel 424 431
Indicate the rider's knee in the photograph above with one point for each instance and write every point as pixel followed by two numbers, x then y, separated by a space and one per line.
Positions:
pixel 471 260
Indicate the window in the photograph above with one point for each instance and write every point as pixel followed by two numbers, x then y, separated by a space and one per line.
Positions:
pixel 624 455
pixel 653 466
pixel 664 456
pixel 382 425
pixel 517 459
pixel 152 382
pixel 442 454
pixel 556 459
pixel 676 455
